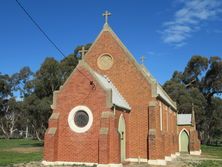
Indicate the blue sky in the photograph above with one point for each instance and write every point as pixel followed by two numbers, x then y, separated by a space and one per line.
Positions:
pixel 166 32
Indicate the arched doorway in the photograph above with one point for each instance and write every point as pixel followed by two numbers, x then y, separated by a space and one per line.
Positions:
pixel 122 132
pixel 184 141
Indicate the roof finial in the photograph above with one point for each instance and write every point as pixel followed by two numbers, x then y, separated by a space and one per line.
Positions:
pixel 142 58
pixel 106 15
pixel 82 51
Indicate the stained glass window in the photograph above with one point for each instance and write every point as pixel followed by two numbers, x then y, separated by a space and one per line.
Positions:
pixel 81 118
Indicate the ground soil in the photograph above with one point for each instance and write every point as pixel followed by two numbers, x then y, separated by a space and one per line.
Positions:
pixel 183 160
pixel 25 149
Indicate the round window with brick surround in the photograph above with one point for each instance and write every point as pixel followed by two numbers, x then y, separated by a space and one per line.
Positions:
pixel 105 61
pixel 80 119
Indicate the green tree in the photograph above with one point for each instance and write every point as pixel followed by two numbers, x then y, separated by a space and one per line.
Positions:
pixel 212 82
pixel 51 75
pixel 215 121
pixel 193 71
pixel 10 112
pixel 67 65
pixel 36 92
pixel 47 78
pixel 22 82
pixel 37 113
pixel 198 84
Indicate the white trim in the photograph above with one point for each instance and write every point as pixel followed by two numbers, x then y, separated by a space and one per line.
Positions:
pixel 71 121
pixel 195 152
pixel 157 162
pixel 143 160
pixel 168 158
pixel 136 160
pixel 173 156
pixel 122 132
pixel 110 165
pixel 132 160
pixel 184 129
pixel 177 154
pixel 47 163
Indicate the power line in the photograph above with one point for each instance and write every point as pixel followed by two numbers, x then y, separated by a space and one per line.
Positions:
pixel 40 29
pixel 90 81
pixel 47 37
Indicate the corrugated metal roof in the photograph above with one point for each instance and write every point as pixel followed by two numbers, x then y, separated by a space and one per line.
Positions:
pixel 117 98
pixel 164 95
pixel 184 119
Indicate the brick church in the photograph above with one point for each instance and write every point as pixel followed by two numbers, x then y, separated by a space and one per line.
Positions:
pixel 111 110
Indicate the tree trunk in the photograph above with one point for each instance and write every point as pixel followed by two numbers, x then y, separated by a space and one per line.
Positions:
pixel 4 131
pixel 26 131
pixel 37 135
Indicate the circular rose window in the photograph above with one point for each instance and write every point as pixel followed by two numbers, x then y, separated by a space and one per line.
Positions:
pixel 105 62
pixel 80 119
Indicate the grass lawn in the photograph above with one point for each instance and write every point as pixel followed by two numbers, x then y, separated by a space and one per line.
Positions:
pixel 19 150
pixel 212 151
pixel 209 163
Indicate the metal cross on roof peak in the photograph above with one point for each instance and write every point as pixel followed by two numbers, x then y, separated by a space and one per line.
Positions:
pixel 106 15
pixel 82 51
pixel 142 58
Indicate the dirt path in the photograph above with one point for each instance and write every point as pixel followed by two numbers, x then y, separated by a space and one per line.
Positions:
pixel 183 160
pixel 25 149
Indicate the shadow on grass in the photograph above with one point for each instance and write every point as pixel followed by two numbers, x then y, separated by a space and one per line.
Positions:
pixel 40 144
pixel 214 145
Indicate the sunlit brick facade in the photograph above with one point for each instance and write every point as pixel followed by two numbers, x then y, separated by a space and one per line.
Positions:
pixel 146 131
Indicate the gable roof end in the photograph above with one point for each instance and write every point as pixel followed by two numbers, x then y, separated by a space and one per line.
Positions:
pixel 157 90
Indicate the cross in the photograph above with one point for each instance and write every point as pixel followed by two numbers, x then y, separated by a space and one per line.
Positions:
pixel 82 51
pixel 142 58
pixel 106 14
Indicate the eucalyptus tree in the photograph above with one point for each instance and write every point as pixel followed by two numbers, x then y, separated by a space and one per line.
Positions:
pixel 200 84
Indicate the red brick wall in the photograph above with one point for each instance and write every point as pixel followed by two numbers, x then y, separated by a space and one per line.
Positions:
pixel 126 117
pixel 109 146
pixel 132 85
pixel 72 146
pixel 49 147
pixel 168 139
pixel 143 136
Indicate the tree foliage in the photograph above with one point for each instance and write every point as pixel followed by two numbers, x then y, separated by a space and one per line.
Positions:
pixel 28 113
pixel 200 84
